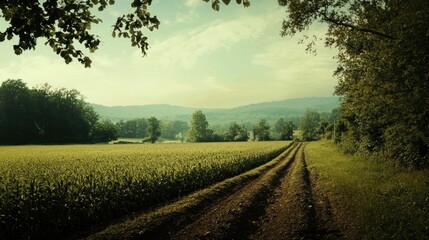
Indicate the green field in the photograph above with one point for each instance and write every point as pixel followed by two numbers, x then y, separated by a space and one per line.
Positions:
pixel 50 191
pixel 371 199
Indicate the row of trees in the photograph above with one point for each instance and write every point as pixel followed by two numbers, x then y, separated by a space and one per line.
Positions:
pixel 141 128
pixel 383 72
pixel 199 131
pixel 46 115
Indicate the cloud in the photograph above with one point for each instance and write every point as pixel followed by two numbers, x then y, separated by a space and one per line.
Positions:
pixel 193 3
pixel 186 47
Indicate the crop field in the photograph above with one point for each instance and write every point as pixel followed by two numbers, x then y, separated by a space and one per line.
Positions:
pixel 52 191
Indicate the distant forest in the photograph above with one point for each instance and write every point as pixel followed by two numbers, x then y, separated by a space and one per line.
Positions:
pixel 43 115
pixel 46 116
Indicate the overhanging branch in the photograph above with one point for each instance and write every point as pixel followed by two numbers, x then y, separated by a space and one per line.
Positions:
pixel 366 30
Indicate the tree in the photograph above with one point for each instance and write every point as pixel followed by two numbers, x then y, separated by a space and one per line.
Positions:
pixel 43 115
pixel 284 129
pixel 236 133
pixel 262 131
pixel 180 128
pixel 153 129
pixel 64 23
pixel 104 132
pixel 16 125
pixel 136 128
pixel 383 75
pixel 309 125
pixel 199 127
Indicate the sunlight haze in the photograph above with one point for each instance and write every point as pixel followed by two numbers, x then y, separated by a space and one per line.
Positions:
pixel 198 58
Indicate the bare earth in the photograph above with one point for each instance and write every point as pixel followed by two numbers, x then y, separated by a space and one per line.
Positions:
pixel 282 203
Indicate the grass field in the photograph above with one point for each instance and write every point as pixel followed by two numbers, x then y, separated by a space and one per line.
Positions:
pixel 50 191
pixel 373 199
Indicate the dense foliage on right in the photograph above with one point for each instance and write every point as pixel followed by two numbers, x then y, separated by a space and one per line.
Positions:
pixel 383 72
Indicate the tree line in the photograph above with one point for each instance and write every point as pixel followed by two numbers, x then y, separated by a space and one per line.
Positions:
pixel 383 74
pixel 198 130
pixel 44 115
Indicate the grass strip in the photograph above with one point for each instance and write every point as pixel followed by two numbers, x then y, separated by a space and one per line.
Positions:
pixel 372 199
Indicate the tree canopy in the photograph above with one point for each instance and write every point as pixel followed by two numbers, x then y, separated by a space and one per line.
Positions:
pixel 153 129
pixel 199 131
pixel 65 25
pixel 44 115
pixel 261 131
pixel 383 71
pixel 310 125
pixel 284 129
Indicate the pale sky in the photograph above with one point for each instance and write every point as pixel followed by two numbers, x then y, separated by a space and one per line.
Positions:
pixel 198 58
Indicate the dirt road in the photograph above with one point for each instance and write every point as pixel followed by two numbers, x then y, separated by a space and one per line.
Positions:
pixel 280 203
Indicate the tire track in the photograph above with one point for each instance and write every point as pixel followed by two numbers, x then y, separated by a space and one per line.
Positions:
pixel 279 200
pixel 236 216
pixel 166 221
pixel 297 210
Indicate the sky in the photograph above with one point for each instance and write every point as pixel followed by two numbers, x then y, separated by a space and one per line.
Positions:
pixel 197 58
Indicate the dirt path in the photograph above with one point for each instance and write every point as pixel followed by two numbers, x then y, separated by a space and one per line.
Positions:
pixel 281 203
pixel 278 205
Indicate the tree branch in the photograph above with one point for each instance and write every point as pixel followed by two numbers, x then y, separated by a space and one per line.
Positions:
pixel 366 30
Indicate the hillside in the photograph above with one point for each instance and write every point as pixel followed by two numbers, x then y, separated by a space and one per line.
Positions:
pixel 250 113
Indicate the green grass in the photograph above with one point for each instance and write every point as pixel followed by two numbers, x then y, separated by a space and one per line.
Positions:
pixel 50 191
pixel 376 200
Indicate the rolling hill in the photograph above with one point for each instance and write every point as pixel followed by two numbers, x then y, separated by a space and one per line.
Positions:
pixel 244 114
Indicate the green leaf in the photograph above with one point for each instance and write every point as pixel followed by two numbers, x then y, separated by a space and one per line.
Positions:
pixel 215 6
pixel 17 49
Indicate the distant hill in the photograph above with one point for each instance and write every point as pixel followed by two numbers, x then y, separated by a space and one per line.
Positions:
pixel 245 114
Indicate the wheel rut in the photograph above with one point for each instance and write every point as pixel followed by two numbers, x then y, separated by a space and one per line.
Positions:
pixel 235 216
pixel 296 210
pixel 281 201
pixel 284 203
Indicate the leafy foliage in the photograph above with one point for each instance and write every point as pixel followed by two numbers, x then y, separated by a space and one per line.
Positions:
pixel 43 115
pixel 104 132
pixel 284 129
pixel 236 133
pixel 261 132
pixel 199 131
pixel 153 129
pixel 310 125
pixel 175 129
pixel 383 74
pixel 66 25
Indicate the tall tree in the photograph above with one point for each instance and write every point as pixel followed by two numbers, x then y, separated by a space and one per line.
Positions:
pixel 262 131
pixel 383 74
pixel 153 129
pixel 310 125
pixel 284 129
pixel 199 127
pixel 16 113
pixel 236 132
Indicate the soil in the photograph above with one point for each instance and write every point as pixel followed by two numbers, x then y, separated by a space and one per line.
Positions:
pixel 283 203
